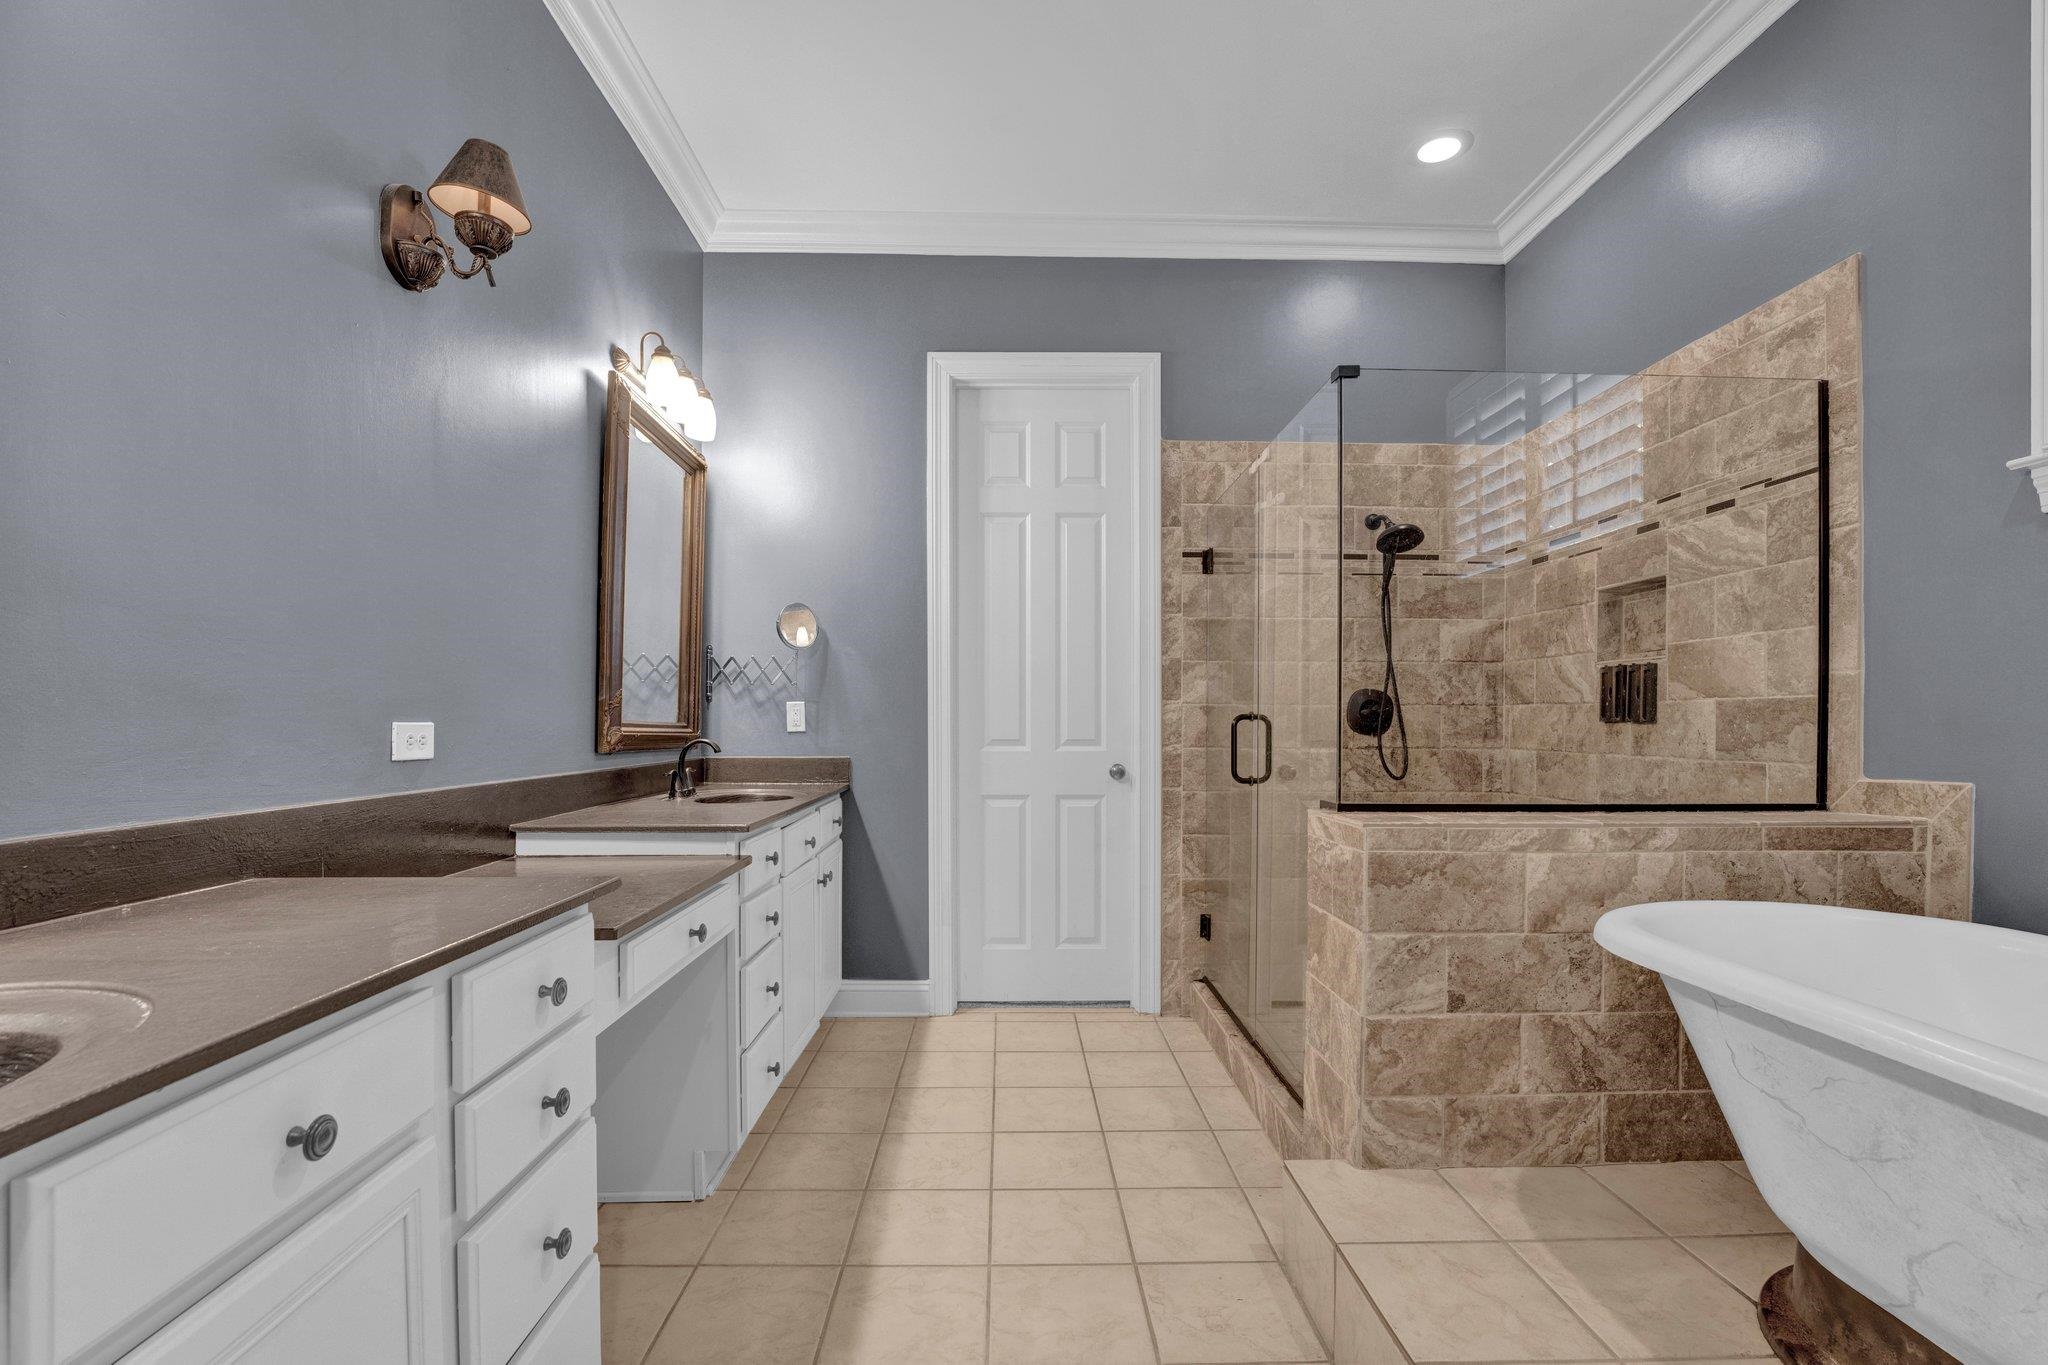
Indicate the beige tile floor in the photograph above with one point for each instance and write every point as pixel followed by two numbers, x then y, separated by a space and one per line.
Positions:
pixel 1086 1188
pixel 1631 1263
pixel 1001 1186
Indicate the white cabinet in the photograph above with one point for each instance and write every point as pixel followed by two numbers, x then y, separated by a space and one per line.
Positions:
pixel 800 1009
pixel 293 1205
pixel 362 1281
pixel 830 917
pixel 119 1226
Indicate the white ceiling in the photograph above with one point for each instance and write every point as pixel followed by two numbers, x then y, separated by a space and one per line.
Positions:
pixel 1228 128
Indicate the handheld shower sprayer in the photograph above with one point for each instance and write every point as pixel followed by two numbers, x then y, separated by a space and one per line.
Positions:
pixel 1376 710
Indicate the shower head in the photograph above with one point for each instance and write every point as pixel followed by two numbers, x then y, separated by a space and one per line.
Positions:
pixel 1395 537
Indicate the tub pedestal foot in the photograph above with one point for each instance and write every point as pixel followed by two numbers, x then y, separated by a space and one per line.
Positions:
pixel 1812 1318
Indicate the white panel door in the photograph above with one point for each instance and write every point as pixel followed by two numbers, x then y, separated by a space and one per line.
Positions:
pixel 1047 693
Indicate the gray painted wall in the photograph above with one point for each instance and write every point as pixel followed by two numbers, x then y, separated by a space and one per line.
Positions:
pixel 817 479
pixel 1895 128
pixel 256 501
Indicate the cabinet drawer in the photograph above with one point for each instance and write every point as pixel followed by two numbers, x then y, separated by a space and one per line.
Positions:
pixel 102 1235
pixel 363 1281
pixel 662 949
pixel 802 838
pixel 501 1128
pixel 761 989
pixel 573 1329
pixel 505 1277
pixel 831 822
pixel 765 848
pixel 760 1071
pixel 511 1002
pixel 761 920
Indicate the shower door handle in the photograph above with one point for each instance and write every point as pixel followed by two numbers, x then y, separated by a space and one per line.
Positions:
pixel 1266 772
pixel 1235 775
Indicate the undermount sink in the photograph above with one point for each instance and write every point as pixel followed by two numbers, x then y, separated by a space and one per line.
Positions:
pixel 734 798
pixel 39 1023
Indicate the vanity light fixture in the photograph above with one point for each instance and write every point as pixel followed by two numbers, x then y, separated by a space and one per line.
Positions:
pixel 478 191
pixel 678 393
pixel 1443 147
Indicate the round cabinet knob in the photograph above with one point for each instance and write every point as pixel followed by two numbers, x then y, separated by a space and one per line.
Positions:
pixel 837 823
pixel 1117 771
pixel 559 1244
pixel 811 842
pixel 556 994
pixel 558 1102
pixel 773 917
pixel 775 988
pixel 774 858
pixel 775 1068
pixel 700 933
pixel 316 1139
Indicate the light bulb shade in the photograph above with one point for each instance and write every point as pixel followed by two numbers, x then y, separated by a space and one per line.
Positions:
pixel 666 387
pixel 479 179
pixel 700 418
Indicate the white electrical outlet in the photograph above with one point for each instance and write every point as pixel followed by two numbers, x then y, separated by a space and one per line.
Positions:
pixel 411 739
pixel 793 716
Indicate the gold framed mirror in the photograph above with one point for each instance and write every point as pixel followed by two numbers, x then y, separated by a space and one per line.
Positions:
pixel 650 632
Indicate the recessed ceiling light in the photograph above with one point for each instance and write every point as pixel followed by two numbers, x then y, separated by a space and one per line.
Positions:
pixel 1443 147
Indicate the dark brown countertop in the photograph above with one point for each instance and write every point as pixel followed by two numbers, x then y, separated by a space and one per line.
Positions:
pixel 225 969
pixel 659 815
pixel 647 889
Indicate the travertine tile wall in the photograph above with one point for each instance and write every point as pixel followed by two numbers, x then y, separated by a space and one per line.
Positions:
pixel 1461 1014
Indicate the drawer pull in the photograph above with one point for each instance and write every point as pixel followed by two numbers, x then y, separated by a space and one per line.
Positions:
pixel 775 988
pixel 773 917
pixel 775 1068
pixel 825 880
pixel 699 933
pixel 811 842
pixel 837 823
pixel 774 858
pixel 559 1102
pixel 316 1139
pixel 557 993
pixel 559 1244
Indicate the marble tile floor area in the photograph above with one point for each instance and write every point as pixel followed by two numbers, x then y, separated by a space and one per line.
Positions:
pixel 1636 1263
pixel 997 1186
pixel 1086 1186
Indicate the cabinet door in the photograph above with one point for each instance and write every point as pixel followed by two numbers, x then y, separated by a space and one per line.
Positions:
pixel 830 921
pixel 799 951
pixel 366 1280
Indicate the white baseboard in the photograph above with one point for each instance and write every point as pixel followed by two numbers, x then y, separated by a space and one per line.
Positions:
pixel 880 999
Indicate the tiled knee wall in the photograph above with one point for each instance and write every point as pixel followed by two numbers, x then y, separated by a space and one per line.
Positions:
pixel 1460 1014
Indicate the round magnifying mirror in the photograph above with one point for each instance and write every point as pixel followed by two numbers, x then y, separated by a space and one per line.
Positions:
pixel 798 626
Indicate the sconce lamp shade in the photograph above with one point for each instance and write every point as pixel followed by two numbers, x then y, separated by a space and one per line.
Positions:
pixel 700 417
pixel 479 180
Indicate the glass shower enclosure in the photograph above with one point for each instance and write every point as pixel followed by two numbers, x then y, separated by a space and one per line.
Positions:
pixel 1455 591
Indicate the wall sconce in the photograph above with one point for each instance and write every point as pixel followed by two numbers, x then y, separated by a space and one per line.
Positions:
pixel 479 192
pixel 672 388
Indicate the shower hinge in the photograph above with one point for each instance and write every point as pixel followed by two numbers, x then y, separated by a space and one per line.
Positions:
pixel 1205 926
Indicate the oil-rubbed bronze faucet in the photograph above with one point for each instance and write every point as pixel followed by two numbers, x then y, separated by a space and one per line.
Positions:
pixel 680 785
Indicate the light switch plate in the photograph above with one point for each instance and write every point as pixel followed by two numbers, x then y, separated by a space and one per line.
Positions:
pixel 411 740
pixel 793 716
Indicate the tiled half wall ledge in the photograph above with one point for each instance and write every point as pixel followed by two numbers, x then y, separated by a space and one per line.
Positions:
pixel 1460 1014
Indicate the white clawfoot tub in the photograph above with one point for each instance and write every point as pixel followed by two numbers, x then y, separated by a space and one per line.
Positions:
pixel 1886 1077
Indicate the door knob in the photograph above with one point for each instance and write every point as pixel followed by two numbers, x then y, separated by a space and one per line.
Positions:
pixel 1116 772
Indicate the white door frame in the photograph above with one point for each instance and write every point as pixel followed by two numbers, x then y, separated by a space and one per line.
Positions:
pixel 946 373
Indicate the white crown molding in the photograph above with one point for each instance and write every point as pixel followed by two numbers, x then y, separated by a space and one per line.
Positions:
pixel 1189 236
pixel 594 31
pixel 1692 59
pixel 1715 38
